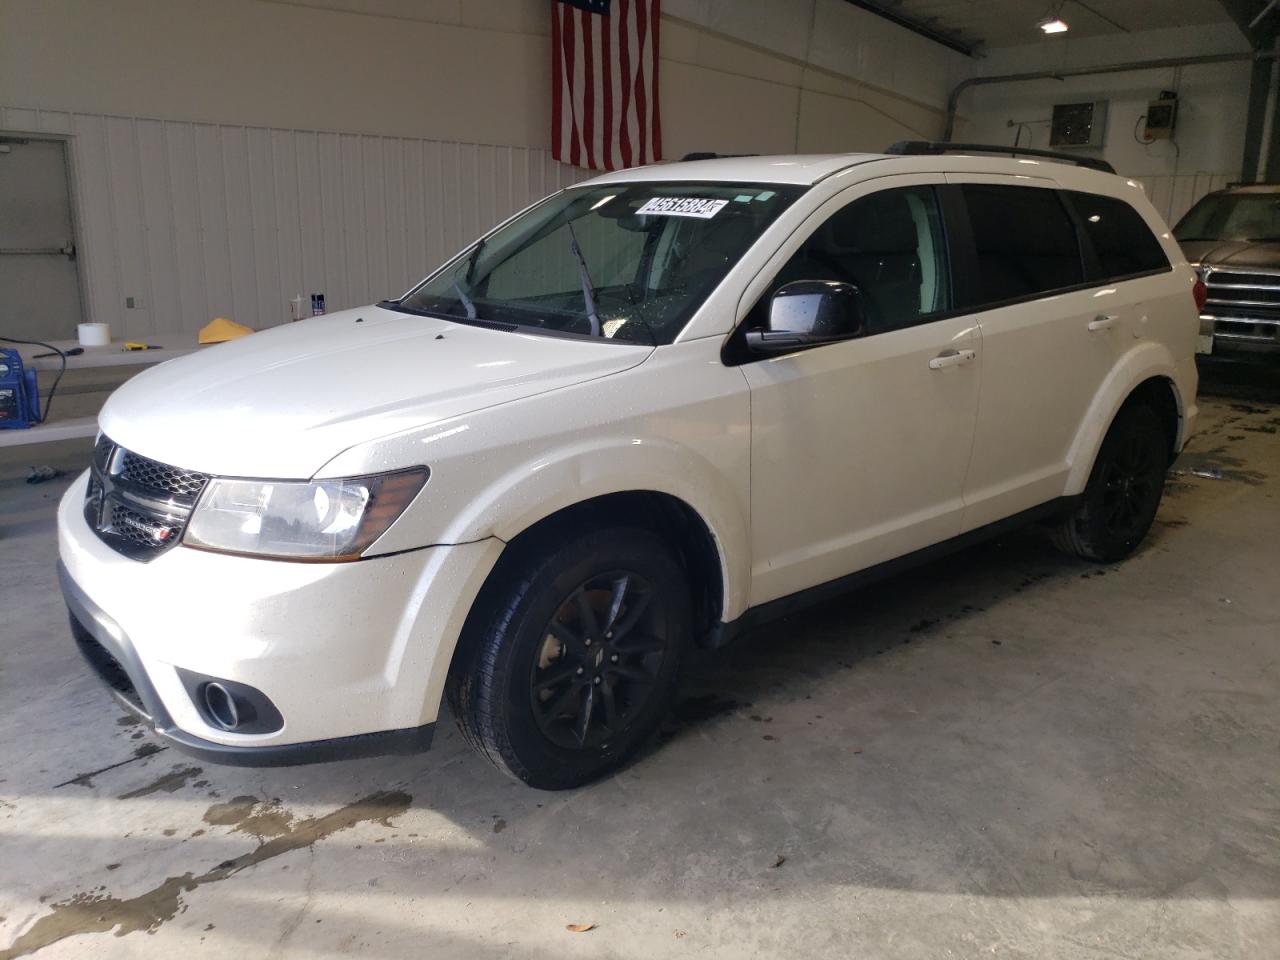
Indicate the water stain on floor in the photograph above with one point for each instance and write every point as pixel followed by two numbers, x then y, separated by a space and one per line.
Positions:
pixel 1216 465
pixel 98 912
pixel 86 779
pixel 171 782
pixel 252 815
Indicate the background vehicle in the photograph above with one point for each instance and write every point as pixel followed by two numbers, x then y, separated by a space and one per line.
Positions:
pixel 1232 237
pixel 637 416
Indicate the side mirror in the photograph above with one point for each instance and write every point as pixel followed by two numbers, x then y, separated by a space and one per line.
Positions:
pixel 809 313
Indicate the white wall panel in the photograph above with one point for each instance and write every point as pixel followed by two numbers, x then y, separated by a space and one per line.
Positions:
pixel 1174 195
pixel 197 220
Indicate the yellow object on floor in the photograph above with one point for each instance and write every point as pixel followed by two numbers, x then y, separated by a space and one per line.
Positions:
pixel 220 328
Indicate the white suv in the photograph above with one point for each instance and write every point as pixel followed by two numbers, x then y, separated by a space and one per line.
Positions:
pixel 639 415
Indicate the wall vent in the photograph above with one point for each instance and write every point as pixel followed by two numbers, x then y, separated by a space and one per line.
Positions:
pixel 1079 124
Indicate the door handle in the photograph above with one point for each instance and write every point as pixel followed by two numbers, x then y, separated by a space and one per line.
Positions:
pixel 952 358
pixel 1102 321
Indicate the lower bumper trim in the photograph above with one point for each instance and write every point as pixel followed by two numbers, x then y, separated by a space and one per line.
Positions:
pixel 110 653
pixel 380 744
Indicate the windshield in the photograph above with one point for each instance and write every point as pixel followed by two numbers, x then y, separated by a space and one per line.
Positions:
pixel 1239 216
pixel 628 262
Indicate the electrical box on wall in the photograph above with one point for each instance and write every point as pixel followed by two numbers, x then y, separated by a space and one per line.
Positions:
pixel 1162 114
pixel 1078 124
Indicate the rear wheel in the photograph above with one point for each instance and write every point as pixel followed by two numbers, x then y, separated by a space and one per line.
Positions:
pixel 1124 490
pixel 572 656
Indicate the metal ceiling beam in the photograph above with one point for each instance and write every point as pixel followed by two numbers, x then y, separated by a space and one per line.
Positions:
pixel 953 101
pixel 950 40
pixel 1245 13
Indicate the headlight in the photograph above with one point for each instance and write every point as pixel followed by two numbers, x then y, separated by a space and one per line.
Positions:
pixel 327 520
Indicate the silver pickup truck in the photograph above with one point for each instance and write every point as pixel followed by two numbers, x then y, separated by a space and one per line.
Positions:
pixel 1232 238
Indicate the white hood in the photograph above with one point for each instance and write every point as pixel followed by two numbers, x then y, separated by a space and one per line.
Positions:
pixel 283 402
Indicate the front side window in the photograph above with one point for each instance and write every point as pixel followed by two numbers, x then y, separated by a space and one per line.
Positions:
pixel 628 262
pixel 1123 242
pixel 1249 217
pixel 890 246
pixel 1024 241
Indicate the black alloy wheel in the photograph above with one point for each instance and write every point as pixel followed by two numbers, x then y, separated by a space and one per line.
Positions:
pixel 1130 477
pixel 600 661
pixel 572 652
pixel 1122 496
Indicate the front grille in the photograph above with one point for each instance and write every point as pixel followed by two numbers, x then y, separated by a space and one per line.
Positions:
pixel 141 530
pixel 160 476
pixel 138 506
pixel 1244 305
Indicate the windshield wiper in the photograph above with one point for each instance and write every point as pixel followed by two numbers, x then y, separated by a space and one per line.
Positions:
pixel 467 303
pixel 471 260
pixel 588 292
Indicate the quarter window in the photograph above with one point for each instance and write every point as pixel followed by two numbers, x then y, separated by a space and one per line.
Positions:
pixel 1024 241
pixel 1121 238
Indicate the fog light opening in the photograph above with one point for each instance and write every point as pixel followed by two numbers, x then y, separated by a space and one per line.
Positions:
pixel 221 706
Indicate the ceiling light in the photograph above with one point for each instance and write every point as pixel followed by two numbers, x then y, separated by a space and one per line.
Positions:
pixel 1053 25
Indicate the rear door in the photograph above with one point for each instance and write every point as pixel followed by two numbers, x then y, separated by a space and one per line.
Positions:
pixel 1050 335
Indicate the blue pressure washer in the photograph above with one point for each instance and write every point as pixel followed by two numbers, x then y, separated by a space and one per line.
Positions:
pixel 19 395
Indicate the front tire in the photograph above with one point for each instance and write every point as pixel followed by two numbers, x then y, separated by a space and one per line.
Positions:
pixel 572 654
pixel 1124 490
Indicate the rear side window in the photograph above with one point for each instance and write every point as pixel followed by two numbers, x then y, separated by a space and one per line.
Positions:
pixel 1121 238
pixel 1024 240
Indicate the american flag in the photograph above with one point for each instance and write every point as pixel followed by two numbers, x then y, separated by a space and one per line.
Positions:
pixel 604 98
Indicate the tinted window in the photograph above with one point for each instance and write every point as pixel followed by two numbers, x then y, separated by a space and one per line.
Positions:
pixel 1024 241
pixel 1120 237
pixel 888 244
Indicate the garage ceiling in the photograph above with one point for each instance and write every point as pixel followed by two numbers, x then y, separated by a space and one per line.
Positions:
pixel 1000 23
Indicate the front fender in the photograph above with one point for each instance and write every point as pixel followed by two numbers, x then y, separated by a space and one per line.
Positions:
pixel 541 487
pixel 678 424
pixel 1145 360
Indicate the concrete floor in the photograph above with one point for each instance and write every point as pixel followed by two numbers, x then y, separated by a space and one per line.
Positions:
pixel 1005 754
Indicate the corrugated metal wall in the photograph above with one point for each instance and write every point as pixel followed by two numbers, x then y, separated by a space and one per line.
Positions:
pixel 197 220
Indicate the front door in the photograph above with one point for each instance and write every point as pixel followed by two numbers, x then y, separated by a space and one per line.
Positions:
pixel 39 289
pixel 859 449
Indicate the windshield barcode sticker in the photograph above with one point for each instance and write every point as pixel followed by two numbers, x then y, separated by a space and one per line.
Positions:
pixel 683 207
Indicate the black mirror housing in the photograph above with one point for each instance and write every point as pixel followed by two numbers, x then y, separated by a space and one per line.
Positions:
pixel 808 313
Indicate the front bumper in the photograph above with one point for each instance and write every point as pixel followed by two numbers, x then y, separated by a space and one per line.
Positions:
pixel 112 656
pixel 1234 338
pixel 352 655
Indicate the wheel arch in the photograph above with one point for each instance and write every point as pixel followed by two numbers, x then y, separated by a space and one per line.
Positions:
pixel 1148 375
pixel 682 527
pixel 1161 394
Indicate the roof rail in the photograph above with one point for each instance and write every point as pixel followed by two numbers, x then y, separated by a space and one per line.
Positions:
pixel 917 148
pixel 706 155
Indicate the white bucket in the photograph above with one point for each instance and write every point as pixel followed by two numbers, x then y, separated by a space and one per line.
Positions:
pixel 94 334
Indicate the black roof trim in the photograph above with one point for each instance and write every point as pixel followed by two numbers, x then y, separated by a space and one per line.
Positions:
pixel 708 155
pixel 919 148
